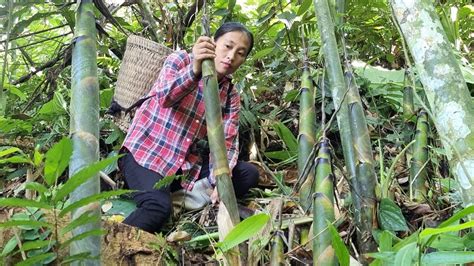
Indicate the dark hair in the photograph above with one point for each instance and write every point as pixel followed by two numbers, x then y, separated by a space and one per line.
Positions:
pixel 234 26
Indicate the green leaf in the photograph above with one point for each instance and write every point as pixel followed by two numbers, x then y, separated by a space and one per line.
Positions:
pixel 121 206
pixel 391 217
pixel 96 232
pixel 279 155
pixel 342 253
pixel 468 241
pixel 36 186
pixel 92 198
pixel 35 244
pixel 77 257
pixel 304 7
pixel 457 216
pixel 262 53
pixel 406 254
pixel 434 231
pixel 57 159
pixel 29 223
pixel 9 151
pixel 385 241
pixel 36 259
pixel 167 180
pixel 447 257
pixel 82 176
pixel 16 202
pixel 85 218
pixel 287 136
pixel 9 247
pixel 243 231
pixel 16 159
pixel 446 242
pixel 37 157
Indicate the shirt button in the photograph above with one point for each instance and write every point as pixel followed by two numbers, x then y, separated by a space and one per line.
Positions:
pixel 188 140
pixel 197 121
pixel 180 160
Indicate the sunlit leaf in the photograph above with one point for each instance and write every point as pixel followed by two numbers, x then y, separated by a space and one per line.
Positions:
pixel 243 231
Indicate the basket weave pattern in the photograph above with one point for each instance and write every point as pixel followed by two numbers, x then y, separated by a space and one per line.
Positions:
pixel 141 65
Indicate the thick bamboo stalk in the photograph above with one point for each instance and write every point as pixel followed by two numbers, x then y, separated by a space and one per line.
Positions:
pixel 277 258
pixel 228 214
pixel 408 106
pixel 85 123
pixel 444 85
pixel 418 172
pixel 336 81
pixel 323 208
pixel 364 197
pixel 307 132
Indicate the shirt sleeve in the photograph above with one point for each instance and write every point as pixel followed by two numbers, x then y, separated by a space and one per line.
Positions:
pixel 176 79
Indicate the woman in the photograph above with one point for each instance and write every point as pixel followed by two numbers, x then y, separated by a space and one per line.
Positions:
pixel 163 137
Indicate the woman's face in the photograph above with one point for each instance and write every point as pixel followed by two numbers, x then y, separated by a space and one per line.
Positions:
pixel 231 52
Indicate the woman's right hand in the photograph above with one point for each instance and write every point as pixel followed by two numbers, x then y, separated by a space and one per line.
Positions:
pixel 204 48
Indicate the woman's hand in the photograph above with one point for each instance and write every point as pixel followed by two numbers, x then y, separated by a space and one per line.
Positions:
pixel 204 48
pixel 214 196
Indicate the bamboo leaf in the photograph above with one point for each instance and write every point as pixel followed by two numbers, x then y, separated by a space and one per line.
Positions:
pixel 93 198
pixel 262 53
pixel 16 202
pixel 447 257
pixel 9 151
pixel 406 254
pixel 304 7
pixel 77 257
pixel 96 232
pixel 29 245
pixel 36 186
pixel 342 253
pixel 9 247
pixel 434 231
pixel 29 223
pixel 243 231
pixel 287 136
pixel 80 177
pixel 16 159
pixel 457 216
pixel 85 218
pixel 57 159
pixel 391 217
pixel 36 259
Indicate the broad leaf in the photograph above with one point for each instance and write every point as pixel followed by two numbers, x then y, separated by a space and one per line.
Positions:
pixel 36 244
pixel 57 159
pixel 36 186
pixel 85 218
pixel 447 257
pixel 82 176
pixel 406 254
pixel 287 136
pixel 96 232
pixel 391 217
pixel 342 253
pixel 9 247
pixel 243 231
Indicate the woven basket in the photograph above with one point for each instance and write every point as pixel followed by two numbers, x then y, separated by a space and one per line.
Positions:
pixel 139 70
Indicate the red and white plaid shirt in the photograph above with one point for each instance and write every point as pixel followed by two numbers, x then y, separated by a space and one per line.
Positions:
pixel 165 125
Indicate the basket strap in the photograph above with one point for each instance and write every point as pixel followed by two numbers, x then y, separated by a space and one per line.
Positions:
pixel 115 108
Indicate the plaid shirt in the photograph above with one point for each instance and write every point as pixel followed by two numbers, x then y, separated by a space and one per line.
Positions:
pixel 167 124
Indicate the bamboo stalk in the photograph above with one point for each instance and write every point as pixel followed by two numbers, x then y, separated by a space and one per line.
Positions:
pixel 323 251
pixel 228 214
pixel 277 255
pixel 418 172
pixel 307 132
pixel 3 95
pixel 85 124
pixel 148 15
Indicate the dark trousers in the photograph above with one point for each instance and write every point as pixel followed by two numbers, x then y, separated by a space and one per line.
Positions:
pixel 154 205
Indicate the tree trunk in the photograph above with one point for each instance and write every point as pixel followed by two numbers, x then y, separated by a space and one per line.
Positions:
pixel 444 85
pixel 85 123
